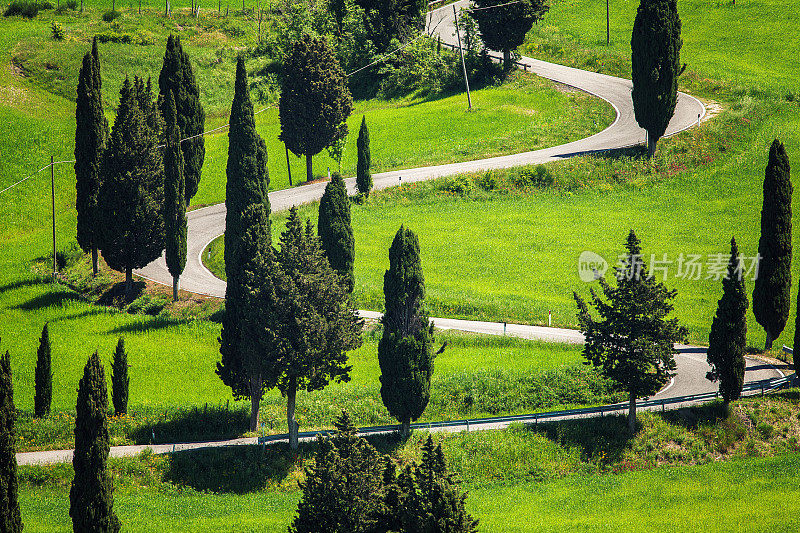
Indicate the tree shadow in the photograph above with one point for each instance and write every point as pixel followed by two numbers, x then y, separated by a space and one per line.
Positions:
pixel 593 436
pixel 115 296
pixel 234 469
pixel 154 324
pixel 21 283
pixel 195 425
pixel 48 299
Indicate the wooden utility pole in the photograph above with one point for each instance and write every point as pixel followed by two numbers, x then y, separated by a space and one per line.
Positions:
pixel 53 206
pixel 463 65
pixel 608 25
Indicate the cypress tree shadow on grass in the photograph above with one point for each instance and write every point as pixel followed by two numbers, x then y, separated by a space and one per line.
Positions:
pixel 48 299
pixel 196 424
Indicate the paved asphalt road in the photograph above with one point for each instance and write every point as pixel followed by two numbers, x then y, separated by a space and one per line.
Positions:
pixel 208 223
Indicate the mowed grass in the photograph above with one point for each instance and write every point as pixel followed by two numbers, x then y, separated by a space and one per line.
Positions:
pixel 742 495
pixel 748 44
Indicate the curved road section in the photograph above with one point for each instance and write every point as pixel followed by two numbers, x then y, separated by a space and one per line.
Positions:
pixel 208 223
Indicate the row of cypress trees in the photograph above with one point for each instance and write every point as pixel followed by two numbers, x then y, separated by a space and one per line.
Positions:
pixel 91 491
pixel 43 377
pixel 133 184
pixel 289 318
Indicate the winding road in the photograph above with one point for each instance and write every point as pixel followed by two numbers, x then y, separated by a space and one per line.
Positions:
pixel 208 223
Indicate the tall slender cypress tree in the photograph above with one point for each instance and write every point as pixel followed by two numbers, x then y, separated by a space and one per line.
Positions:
pixel 132 193
pixel 404 351
pixel 727 341
pixel 247 188
pixel 796 358
pixel 175 222
pixel 43 377
pixel 10 518
pixel 91 136
pixel 177 76
pixel 771 293
pixel 363 173
pixel 120 382
pixel 91 494
pixel 655 57
pixel 335 230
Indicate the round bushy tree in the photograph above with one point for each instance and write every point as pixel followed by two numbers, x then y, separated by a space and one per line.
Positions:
pixel 91 494
pixel 177 76
pixel 336 231
pixel 655 57
pixel 503 25
pixel 404 351
pixel 727 341
pixel 771 293
pixel 315 100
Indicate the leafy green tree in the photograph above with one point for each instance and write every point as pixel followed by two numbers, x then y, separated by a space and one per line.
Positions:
pixel 655 56
pixel 132 193
pixel 727 341
pixel 247 243
pixel 336 231
pixel 342 492
pixel 363 174
pixel 10 518
pixel 771 293
pixel 317 324
pixel 120 382
pixel 404 351
pixel 177 76
pixel 633 341
pixel 91 136
pixel 43 377
pixel 503 25
pixel 91 495
pixel 175 222
pixel 386 20
pixel 427 497
pixel 315 100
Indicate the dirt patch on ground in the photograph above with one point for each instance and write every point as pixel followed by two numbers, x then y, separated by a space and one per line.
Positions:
pixel 712 109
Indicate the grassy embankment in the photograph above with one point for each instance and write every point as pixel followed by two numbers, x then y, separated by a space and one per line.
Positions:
pixel 552 478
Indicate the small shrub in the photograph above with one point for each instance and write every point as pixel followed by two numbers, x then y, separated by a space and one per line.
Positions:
pixel 111 16
pixel 57 30
pixel 461 185
pixel 488 182
pixel 26 8
pixel 114 37
pixel 538 176
pixel 766 430
pixel 148 305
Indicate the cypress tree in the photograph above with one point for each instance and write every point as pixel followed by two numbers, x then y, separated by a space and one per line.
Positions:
pixel 120 381
pixel 796 345
pixel 10 518
pixel 363 174
pixel 335 230
pixel 43 378
pixel 342 491
pixel 247 189
pixel 771 293
pixel 727 341
pixel 175 222
pixel 91 493
pixel 177 76
pixel 503 25
pixel 91 136
pixel 132 193
pixel 315 100
pixel 316 323
pixel 632 342
pixel 426 497
pixel 404 351
pixel 655 56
